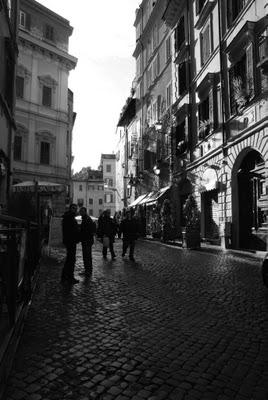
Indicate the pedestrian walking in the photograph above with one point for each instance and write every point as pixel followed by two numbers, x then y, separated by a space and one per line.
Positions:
pixel 71 236
pixel 106 232
pixel 87 232
pixel 129 227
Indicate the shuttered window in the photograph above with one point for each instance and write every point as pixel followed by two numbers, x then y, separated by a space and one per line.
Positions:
pixel 47 96
pixel 44 153
pixel 20 87
pixel 17 148
pixel 182 72
pixel 206 44
pixel 49 32
pixel 179 34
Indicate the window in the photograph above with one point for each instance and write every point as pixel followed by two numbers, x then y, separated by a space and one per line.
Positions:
pixel 100 212
pixel 91 187
pixel 149 159
pixel 25 20
pixel 203 117
pixel 90 201
pixel 168 95
pixel 108 168
pixel 17 148
pixel 182 72
pixel 20 87
pixel 49 32
pixel 156 67
pixel 168 49
pixel 44 153
pixel 80 202
pixel 179 34
pixel 155 111
pixel 206 43
pixel 234 7
pixel 200 4
pixel 241 81
pixel 108 198
pixel 180 138
pixel 100 202
pixel 100 187
pixel 90 212
pixel 80 188
pixel 108 182
pixel 47 96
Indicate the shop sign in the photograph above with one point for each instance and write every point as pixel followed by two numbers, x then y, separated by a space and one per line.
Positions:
pixel 209 180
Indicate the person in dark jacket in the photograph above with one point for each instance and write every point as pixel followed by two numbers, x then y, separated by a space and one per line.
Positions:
pixel 87 232
pixel 129 227
pixel 106 232
pixel 70 235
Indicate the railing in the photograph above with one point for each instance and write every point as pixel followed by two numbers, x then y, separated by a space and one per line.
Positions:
pixel 19 256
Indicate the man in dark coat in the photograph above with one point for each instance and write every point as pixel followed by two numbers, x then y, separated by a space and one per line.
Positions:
pixel 70 234
pixel 129 227
pixel 87 232
pixel 107 231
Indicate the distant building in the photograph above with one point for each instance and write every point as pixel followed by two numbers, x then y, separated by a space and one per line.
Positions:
pixel 8 58
pixel 44 105
pixel 89 192
pixel 108 168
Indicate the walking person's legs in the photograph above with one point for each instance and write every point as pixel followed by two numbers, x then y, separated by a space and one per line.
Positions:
pixel 68 268
pixel 104 252
pixel 125 246
pixel 111 247
pixel 131 250
pixel 87 257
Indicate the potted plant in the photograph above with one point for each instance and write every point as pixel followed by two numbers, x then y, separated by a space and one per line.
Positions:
pixel 192 218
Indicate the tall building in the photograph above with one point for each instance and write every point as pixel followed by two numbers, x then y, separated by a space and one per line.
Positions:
pixel 202 103
pixel 88 191
pixel 108 168
pixel 8 58
pixel 44 105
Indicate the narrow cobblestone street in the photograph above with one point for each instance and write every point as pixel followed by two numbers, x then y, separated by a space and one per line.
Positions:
pixel 177 324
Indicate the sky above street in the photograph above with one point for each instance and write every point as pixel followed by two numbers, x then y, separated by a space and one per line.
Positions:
pixel 103 40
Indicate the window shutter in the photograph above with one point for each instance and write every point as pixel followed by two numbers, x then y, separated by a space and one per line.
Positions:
pixel 19 86
pixel 249 72
pixel 231 90
pixel 47 96
pixel 28 21
pixel 17 148
pixel 211 108
pixel 112 198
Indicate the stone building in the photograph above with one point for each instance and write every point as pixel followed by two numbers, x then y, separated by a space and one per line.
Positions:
pixel 108 169
pixel 44 105
pixel 8 58
pixel 203 113
pixel 89 192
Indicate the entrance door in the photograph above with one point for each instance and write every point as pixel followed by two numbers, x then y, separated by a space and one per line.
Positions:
pixel 252 215
pixel 211 215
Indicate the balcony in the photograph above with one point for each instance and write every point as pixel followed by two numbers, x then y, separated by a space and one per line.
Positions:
pixel 204 12
pixel 263 56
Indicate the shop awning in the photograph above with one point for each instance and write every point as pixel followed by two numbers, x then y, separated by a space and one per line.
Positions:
pixel 137 201
pixel 39 186
pixel 157 195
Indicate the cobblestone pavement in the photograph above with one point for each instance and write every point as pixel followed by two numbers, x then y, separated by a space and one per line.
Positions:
pixel 177 324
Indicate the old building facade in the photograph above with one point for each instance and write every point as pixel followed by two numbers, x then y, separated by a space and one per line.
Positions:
pixel 44 105
pixel 89 192
pixel 108 169
pixel 210 136
pixel 8 58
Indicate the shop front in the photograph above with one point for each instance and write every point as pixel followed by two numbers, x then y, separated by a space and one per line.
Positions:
pixel 210 213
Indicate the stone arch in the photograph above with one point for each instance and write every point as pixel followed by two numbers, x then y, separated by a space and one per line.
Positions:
pixel 244 156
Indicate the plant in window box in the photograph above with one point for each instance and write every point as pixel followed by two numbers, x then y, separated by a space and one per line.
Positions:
pixel 204 127
pixel 242 91
pixel 191 234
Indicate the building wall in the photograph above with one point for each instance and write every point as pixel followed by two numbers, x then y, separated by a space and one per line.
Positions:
pixel 108 166
pixel 84 191
pixel 8 58
pixel 44 62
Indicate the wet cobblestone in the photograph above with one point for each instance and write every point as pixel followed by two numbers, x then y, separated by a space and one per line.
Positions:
pixel 176 324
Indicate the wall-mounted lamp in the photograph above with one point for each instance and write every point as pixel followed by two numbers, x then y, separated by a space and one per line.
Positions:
pixel 156 170
pixel 158 126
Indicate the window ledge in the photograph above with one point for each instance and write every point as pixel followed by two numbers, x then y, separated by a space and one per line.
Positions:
pixel 207 8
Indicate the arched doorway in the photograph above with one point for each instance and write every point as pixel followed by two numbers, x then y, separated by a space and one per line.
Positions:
pixel 249 213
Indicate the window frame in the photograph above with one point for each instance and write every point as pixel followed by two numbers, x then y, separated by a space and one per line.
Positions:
pixel 45 158
pixel 207 27
pixel 22 86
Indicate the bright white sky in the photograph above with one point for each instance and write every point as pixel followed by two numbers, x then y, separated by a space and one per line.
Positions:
pixel 103 40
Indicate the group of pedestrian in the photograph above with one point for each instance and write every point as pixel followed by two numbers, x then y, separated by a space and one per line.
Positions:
pixel 126 226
